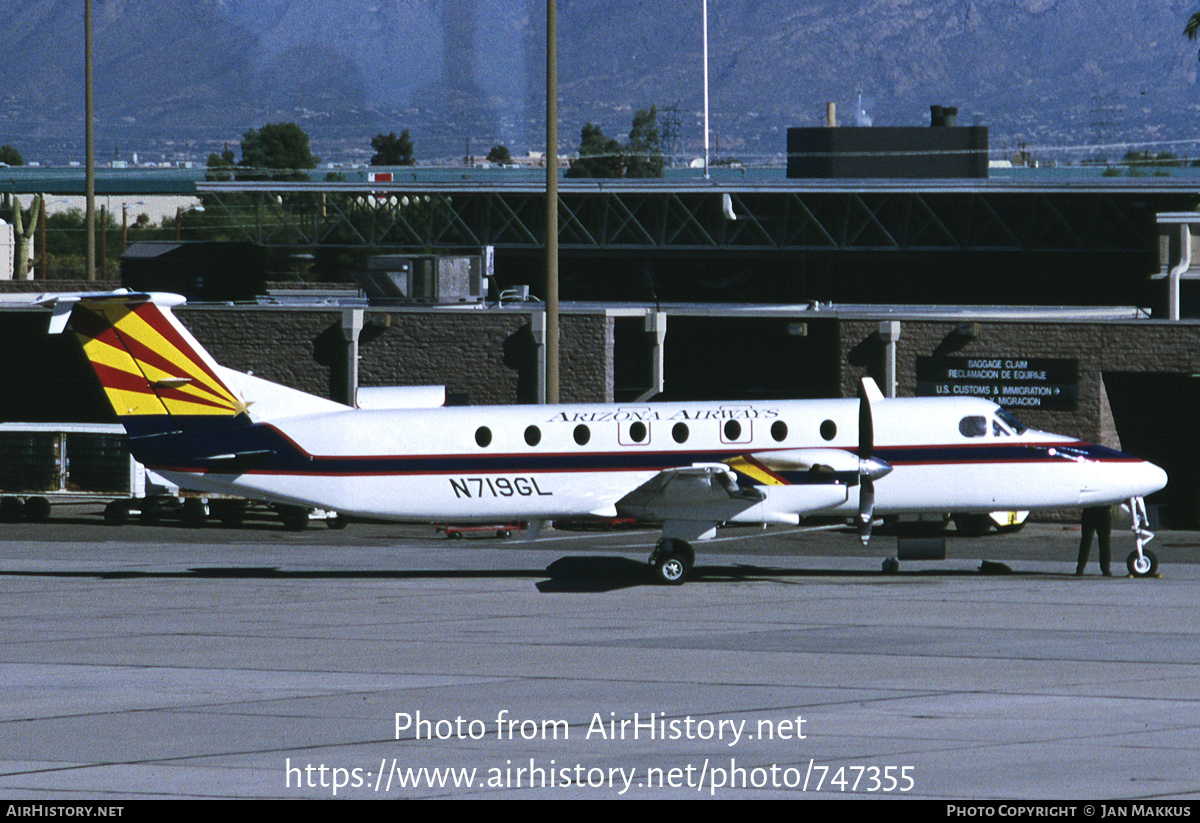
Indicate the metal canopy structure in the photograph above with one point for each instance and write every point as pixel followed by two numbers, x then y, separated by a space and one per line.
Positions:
pixel 601 215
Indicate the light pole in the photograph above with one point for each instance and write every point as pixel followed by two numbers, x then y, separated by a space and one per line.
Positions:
pixel 551 202
pixel 89 139
pixel 125 223
pixel 179 213
pixel 704 24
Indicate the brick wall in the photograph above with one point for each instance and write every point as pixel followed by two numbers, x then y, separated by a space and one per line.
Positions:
pixel 1141 346
pixel 487 356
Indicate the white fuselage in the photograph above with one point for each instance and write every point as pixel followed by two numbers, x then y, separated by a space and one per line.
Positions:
pixel 533 462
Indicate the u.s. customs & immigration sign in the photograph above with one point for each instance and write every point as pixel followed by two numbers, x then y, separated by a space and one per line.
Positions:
pixel 1012 382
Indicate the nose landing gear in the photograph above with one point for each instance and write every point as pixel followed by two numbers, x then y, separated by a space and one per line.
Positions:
pixel 1141 561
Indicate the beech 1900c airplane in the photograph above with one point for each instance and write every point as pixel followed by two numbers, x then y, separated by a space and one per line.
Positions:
pixel 690 466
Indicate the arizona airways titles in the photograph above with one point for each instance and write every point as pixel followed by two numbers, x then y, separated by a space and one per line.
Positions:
pixel 620 415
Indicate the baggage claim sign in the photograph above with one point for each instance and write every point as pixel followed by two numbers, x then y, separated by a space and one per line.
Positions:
pixel 1048 385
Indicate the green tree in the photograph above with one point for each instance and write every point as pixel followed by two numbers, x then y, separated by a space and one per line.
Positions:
pixel 643 152
pixel 391 150
pixel 66 245
pixel 599 156
pixel 1135 159
pixel 223 160
pixel 500 155
pixel 281 147
pixel 9 156
pixel 218 163
pixel 641 156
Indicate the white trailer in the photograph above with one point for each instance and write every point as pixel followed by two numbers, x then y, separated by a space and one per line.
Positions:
pixel 46 463
pixel 43 464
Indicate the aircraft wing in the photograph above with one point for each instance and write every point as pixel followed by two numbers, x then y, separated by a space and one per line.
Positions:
pixel 701 496
pixel 705 494
pixel 702 488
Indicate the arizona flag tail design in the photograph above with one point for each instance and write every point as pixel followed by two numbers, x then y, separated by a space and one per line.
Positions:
pixel 148 364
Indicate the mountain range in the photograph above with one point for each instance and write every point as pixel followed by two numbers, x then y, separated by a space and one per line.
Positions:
pixel 176 78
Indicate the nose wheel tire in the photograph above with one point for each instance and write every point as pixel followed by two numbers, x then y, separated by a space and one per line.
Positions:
pixel 1144 566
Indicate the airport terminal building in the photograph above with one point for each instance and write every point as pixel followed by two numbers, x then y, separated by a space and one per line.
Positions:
pixel 1068 298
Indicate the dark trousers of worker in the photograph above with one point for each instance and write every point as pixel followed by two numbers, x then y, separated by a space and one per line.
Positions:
pixel 1097 522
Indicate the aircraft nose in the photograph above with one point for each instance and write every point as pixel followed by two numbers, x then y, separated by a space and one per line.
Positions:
pixel 1147 478
pixel 1119 480
pixel 1137 478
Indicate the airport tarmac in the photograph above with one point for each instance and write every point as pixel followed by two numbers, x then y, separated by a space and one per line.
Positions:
pixel 387 661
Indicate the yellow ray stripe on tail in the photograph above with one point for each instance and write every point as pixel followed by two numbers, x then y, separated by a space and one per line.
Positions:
pixel 202 394
pixel 170 368
pixel 123 383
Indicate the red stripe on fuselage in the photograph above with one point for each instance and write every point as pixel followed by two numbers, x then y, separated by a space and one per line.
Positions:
pixel 670 460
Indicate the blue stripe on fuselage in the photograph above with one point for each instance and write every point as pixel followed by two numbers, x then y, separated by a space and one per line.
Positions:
pixel 190 444
pixel 1017 452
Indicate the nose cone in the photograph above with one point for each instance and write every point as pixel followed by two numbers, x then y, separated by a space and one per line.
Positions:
pixel 1146 478
pixel 1116 480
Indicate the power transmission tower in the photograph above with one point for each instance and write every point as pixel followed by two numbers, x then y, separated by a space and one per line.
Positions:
pixel 669 133
pixel 1104 123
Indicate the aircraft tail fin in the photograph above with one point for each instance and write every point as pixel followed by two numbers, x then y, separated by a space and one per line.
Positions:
pixel 147 362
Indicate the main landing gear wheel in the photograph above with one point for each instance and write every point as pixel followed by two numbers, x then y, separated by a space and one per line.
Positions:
pixel 672 562
pixel 1144 566
pixel 891 565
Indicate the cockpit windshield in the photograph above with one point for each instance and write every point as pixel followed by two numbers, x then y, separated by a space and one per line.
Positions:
pixel 1006 417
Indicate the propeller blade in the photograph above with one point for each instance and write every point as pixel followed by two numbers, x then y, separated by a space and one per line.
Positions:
pixel 868 467
pixel 866 508
pixel 866 426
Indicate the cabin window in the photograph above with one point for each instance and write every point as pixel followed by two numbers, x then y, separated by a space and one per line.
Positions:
pixel 533 435
pixel 734 431
pixel 828 430
pixel 973 426
pixel 779 431
pixel 483 436
pixel 582 434
pixel 633 433
pixel 680 432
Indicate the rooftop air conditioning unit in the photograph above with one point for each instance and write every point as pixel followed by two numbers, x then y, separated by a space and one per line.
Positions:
pixel 424 279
